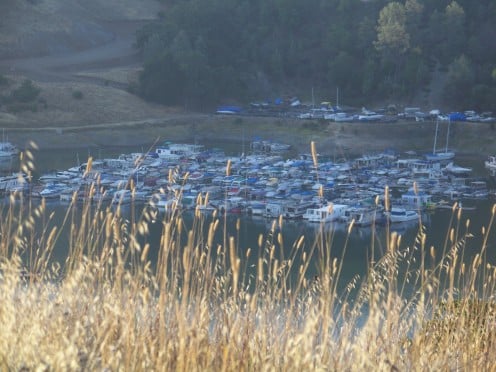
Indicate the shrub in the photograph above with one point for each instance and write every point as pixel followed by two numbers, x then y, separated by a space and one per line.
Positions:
pixel 27 92
pixel 77 94
pixel 133 88
pixel 43 101
pixel 15 107
pixel 3 80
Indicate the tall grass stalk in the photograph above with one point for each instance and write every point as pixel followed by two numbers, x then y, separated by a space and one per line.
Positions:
pixel 200 306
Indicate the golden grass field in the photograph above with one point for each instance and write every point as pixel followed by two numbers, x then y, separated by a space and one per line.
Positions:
pixel 108 307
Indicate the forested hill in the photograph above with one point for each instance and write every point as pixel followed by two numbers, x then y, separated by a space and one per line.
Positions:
pixel 202 52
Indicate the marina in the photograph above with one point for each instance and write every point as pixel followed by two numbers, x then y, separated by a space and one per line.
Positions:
pixel 268 181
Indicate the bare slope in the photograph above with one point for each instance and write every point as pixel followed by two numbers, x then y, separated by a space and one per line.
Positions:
pixel 65 46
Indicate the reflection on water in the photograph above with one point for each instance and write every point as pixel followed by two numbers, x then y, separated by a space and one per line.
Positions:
pixel 9 164
pixel 356 246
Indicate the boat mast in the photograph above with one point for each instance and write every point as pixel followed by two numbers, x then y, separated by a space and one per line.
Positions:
pixel 447 135
pixel 435 137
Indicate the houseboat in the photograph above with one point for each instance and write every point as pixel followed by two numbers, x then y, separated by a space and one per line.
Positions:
pixel 402 215
pixel 327 213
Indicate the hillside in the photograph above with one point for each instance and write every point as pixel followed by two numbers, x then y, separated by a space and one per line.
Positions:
pixel 74 46
pixel 80 54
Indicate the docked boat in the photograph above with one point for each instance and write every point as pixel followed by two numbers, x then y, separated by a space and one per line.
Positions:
pixel 53 190
pixel 440 156
pixel 490 163
pixel 7 149
pixel 176 151
pixel 256 207
pixel 289 209
pixel 402 215
pixel 368 115
pixel 343 117
pixel 10 181
pixel 327 213
pixel 362 215
pixel 125 196
pixel 457 170
pixel 416 199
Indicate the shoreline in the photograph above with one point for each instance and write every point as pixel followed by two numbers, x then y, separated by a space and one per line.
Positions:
pixel 470 139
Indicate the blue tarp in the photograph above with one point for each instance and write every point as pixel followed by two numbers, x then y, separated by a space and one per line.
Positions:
pixel 457 116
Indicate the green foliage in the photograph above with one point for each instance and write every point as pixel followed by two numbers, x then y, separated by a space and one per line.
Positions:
pixel 460 80
pixel 77 94
pixel 27 92
pixel 3 80
pixel 200 53
pixel 16 107
pixel 392 36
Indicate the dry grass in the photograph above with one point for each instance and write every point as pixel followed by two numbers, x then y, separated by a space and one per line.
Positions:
pixel 201 308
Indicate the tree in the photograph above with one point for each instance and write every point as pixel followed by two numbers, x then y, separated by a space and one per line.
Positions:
pixel 460 79
pixel 392 37
pixel 454 30
pixel 414 11
pixel 393 41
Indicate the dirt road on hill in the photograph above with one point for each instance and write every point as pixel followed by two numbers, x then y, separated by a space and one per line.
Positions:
pixel 117 52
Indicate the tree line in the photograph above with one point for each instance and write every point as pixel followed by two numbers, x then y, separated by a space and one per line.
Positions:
pixel 199 53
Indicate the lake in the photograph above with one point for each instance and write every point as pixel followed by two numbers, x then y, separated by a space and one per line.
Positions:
pixel 358 246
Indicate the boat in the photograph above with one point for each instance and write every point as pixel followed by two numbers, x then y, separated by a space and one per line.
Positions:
pixel 343 117
pixel 368 115
pixel 176 151
pixel 362 215
pixel 402 215
pixel 416 199
pixel 289 209
pixel 6 182
pixel 53 190
pixel 327 213
pixel 7 150
pixel 256 208
pixel 230 205
pixel 490 163
pixel 440 155
pixel 125 196
pixel 457 170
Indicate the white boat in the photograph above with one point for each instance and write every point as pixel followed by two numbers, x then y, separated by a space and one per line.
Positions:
pixel 457 170
pixel 402 215
pixel 53 190
pixel 7 149
pixel 256 208
pixel 440 155
pixel 343 117
pixel 125 196
pixel 363 216
pixel 7 181
pixel 289 209
pixel 176 151
pixel 327 213
pixel 370 117
pixel 490 163
pixel 419 199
